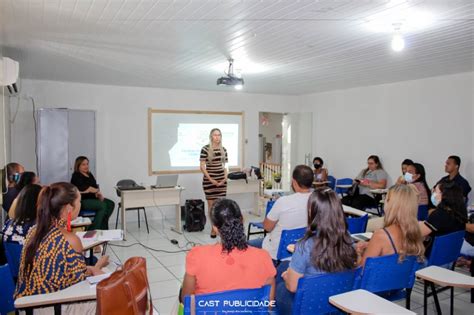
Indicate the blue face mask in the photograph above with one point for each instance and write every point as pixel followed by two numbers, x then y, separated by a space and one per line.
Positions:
pixel 408 177
pixel 434 201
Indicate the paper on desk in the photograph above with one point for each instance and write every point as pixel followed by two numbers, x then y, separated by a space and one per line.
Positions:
pixel 102 235
pixel 97 279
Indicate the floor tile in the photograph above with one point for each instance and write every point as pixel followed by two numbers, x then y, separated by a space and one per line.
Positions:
pixel 166 306
pixel 163 289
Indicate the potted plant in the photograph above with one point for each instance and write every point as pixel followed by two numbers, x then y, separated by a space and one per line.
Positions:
pixel 277 177
pixel 268 184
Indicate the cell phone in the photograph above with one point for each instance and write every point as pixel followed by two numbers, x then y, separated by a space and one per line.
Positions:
pixel 89 234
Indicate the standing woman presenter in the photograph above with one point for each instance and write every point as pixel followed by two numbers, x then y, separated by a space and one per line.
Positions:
pixel 213 158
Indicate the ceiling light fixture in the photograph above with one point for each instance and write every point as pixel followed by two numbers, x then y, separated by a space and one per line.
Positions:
pixel 398 42
pixel 231 79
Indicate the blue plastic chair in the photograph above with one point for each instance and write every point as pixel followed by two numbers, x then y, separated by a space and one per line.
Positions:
pixel 232 301
pixel 313 292
pixel 445 251
pixel 259 225
pixel 357 225
pixel 7 291
pixel 13 253
pixel 389 278
pixel 422 212
pixel 288 237
pixel 343 181
pixel 332 182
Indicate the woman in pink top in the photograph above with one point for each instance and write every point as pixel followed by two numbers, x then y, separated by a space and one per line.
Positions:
pixel 416 175
pixel 230 264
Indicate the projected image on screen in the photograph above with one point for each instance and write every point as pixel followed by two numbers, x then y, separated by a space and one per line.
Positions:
pixel 192 137
pixel 176 139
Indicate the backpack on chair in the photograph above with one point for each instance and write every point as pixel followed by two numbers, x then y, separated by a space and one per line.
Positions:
pixel 194 216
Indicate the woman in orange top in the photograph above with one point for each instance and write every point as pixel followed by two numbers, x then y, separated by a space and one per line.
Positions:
pixel 230 264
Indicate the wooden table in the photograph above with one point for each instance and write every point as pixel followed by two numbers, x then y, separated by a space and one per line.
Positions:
pixel 151 198
pixel 365 302
pixel 443 277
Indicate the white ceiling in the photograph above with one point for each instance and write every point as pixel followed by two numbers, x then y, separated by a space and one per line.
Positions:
pixel 291 47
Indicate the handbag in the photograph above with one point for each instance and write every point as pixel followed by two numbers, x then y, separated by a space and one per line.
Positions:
pixel 126 291
pixel 237 175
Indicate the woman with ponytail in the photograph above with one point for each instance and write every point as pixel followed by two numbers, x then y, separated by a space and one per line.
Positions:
pixel 52 258
pixel 230 264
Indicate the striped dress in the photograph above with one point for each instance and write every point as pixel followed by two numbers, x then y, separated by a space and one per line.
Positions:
pixel 216 171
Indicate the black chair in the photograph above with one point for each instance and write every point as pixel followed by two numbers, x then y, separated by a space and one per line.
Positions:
pixel 129 183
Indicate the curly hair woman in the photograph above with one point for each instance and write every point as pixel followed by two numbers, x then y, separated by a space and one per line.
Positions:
pixel 229 264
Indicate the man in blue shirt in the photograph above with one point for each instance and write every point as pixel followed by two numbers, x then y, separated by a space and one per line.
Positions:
pixel 452 168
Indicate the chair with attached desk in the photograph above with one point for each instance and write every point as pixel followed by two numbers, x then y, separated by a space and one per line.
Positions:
pixel 444 252
pixel 229 301
pixel 389 278
pixel 332 182
pixel 288 237
pixel 357 224
pixel 313 292
pixel 7 291
pixel 343 185
pixel 13 253
pixel 259 224
pixel 129 183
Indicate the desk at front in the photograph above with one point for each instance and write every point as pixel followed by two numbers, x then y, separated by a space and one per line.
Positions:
pixel 151 198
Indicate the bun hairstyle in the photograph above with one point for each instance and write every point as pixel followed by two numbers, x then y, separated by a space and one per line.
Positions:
pixel 51 201
pixel 226 216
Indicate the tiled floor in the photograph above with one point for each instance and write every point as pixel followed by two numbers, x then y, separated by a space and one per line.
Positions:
pixel 166 269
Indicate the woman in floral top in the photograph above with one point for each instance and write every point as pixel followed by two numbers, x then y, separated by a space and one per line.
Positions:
pixel 16 229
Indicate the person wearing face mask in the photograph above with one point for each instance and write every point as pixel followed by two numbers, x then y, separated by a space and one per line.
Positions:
pixel 320 173
pixel 449 216
pixel 416 176
pixel 405 164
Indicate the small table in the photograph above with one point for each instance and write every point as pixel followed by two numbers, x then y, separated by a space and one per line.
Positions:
pixel 365 302
pixel 443 277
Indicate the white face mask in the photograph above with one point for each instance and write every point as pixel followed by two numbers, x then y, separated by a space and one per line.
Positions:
pixel 408 177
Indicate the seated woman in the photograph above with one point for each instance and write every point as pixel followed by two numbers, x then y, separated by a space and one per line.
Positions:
pixel 405 164
pixel 401 233
pixel 416 176
pixel 92 198
pixel 230 264
pixel 326 246
pixel 27 178
pixel 52 258
pixel 11 173
pixel 17 227
pixel 320 173
pixel 373 177
pixel 449 216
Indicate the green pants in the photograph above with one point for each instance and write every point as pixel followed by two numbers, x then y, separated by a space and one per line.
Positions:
pixel 103 211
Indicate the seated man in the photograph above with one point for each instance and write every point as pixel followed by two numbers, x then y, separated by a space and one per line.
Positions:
pixel 288 212
pixel 453 163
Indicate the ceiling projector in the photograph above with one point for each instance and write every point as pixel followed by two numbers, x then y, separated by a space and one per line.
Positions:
pixel 230 79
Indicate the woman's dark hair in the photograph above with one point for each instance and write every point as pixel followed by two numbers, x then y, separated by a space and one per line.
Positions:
pixel 51 201
pixel 25 210
pixel 320 160
pixel 26 178
pixel 78 162
pixel 376 159
pixel 452 200
pixel 333 250
pixel 420 170
pixel 226 216
pixel 407 162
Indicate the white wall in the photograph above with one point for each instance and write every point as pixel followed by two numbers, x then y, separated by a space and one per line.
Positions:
pixel 122 125
pixel 425 120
